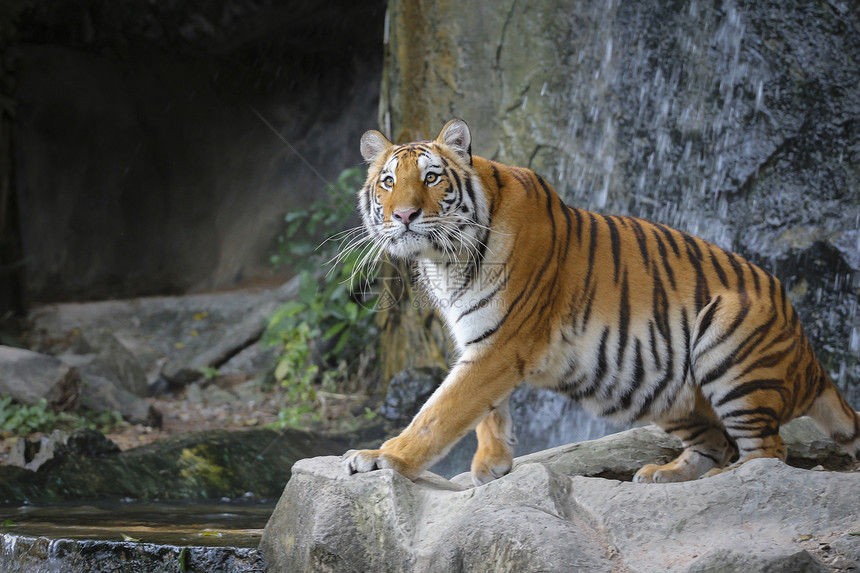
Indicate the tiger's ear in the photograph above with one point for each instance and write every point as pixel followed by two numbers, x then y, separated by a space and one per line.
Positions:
pixel 372 144
pixel 456 135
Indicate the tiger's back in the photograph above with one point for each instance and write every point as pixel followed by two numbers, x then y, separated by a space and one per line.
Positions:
pixel 633 319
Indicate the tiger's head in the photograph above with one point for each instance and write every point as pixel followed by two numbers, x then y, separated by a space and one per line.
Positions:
pixel 423 199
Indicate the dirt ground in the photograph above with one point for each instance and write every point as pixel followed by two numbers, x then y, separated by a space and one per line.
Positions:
pixel 182 413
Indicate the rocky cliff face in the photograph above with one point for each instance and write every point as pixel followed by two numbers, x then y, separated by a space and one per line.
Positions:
pixel 736 121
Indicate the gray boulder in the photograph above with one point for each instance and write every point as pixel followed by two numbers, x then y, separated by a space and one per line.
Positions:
pixel 407 392
pixel 102 394
pixel 217 346
pixel 552 513
pixel 100 353
pixel 28 377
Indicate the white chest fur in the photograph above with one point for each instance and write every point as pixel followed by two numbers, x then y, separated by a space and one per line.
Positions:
pixel 469 297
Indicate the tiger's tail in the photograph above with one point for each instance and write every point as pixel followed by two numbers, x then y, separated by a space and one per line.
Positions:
pixel 836 417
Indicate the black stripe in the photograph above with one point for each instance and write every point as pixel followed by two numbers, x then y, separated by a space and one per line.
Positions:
pixel 520 179
pixel 736 356
pixel 755 338
pixel 721 274
pixel 685 329
pixel 616 245
pixel 693 244
pixel 726 334
pixel 484 301
pixel 623 320
pixel 600 372
pixel 663 383
pixel 588 304
pixel 638 377
pixel 663 257
pixel 641 239
pixel 458 184
pixel 496 175
pixel 668 233
pixel 702 291
pixel 739 271
pixel 470 191
pixel 705 323
pixel 660 308
pixel 592 248
pixel 578 216
pixel 652 341
pixel 771 288
pixel 715 459
pixel 772 359
pixel 486 334
pixel 754 272
pixel 602 362
pixel 752 386
pixel 769 415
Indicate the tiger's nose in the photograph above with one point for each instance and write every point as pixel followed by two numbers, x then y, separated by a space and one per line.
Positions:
pixel 407 215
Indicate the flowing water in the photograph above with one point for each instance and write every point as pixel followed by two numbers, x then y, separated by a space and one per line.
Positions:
pixel 712 117
pixel 151 537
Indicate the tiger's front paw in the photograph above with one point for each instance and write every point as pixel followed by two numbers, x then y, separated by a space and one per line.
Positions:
pixel 362 461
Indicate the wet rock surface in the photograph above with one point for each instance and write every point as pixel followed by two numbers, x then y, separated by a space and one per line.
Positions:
pixel 58 448
pixel 407 392
pixel 23 554
pixel 133 536
pixel 201 465
pixel 565 509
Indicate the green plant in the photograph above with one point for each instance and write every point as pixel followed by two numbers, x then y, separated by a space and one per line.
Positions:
pixel 296 247
pixel 22 419
pixel 328 324
pixel 209 373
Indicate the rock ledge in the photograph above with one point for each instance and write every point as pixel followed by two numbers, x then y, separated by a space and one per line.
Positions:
pixel 547 515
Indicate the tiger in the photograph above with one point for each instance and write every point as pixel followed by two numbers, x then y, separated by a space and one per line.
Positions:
pixel 634 320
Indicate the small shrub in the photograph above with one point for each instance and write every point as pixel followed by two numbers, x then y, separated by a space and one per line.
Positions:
pixel 22 419
pixel 324 334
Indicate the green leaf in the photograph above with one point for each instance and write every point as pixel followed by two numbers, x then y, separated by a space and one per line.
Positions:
pixel 296 215
pixel 334 330
pixel 8 523
pixel 183 560
pixel 282 370
pixel 307 288
pixel 341 343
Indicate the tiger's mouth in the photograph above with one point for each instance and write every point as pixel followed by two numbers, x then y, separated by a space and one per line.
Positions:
pixel 408 244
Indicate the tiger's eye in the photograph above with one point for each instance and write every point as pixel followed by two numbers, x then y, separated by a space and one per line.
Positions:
pixel 430 178
pixel 388 181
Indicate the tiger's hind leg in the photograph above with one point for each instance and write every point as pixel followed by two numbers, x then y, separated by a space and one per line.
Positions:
pixel 706 447
pixel 751 374
pixel 495 454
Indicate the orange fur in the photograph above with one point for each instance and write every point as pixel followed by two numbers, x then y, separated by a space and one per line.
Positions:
pixel 635 320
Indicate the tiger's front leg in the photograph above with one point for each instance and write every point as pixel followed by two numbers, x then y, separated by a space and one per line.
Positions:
pixel 472 390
